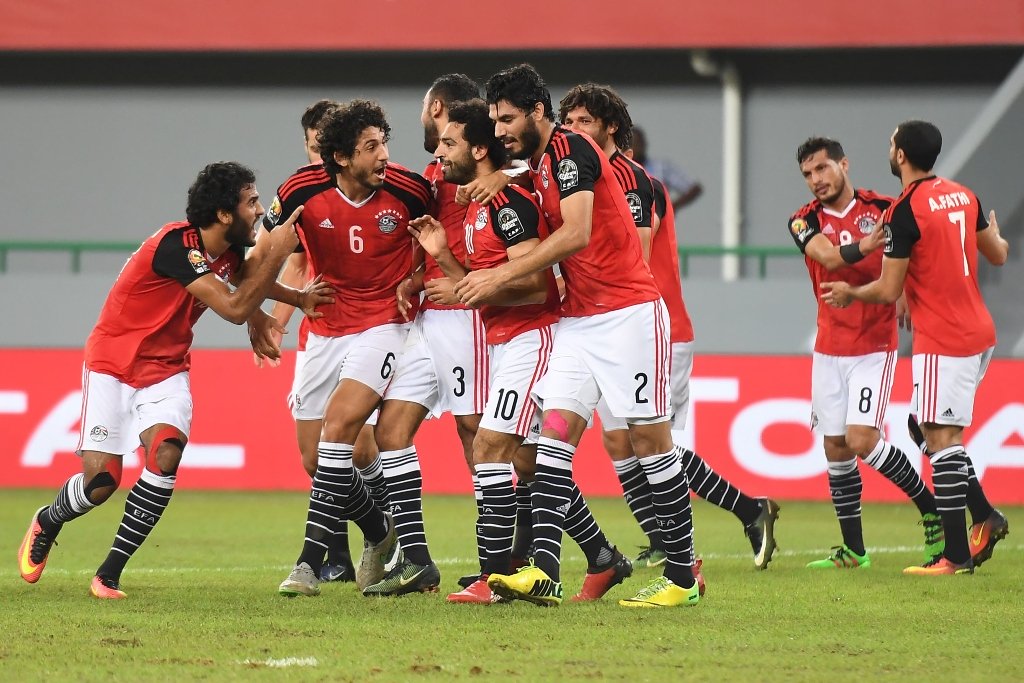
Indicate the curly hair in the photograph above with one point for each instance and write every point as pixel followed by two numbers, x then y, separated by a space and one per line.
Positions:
pixel 217 188
pixel 604 103
pixel 813 145
pixel 479 129
pixel 340 130
pixel 522 87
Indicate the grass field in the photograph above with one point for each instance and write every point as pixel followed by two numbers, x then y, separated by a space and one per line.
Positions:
pixel 203 605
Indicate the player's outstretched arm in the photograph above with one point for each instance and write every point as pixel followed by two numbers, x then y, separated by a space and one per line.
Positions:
pixel 256 280
pixel 529 289
pixel 833 257
pixel 991 244
pixel 574 235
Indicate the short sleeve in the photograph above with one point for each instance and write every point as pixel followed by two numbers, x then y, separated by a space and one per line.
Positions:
pixel 279 212
pixel 578 170
pixel 803 226
pixel 515 221
pixel 180 256
pixel 982 217
pixel 660 199
pixel 901 230
pixel 641 201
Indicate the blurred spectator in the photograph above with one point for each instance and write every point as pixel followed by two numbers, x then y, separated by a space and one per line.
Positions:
pixel 681 187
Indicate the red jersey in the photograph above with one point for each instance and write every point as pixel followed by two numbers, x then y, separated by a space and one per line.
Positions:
pixel 609 273
pixel 935 223
pixel 144 331
pixel 452 216
pixel 860 328
pixel 665 265
pixel 511 217
pixel 364 249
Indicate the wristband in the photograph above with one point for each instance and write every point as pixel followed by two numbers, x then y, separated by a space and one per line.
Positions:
pixel 851 253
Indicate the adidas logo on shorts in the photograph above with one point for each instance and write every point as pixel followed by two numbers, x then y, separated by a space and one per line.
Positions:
pixel 948 413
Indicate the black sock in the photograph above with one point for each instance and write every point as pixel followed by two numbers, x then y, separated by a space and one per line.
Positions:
pixel 671 494
pixel 551 493
pixel 337 547
pixel 497 521
pixel 846 488
pixel 338 492
pixel 143 508
pixel 714 488
pixel 71 502
pixel 637 492
pixel 977 503
pixel 524 521
pixel 894 465
pixel 949 474
pixel 405 491
pixel 481 548
pixel 373 477
pixel 582 528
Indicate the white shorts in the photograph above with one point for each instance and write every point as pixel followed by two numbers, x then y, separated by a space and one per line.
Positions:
pixel 944 387
pixel 517 366
pixel 300 359
pixel 682 368
pixel 369 357
pixel 444 365
pixel 623 356
pixel 114 414
pixel 850 390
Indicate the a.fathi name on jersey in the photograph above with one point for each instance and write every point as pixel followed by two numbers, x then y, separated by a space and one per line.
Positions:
pixel 948 201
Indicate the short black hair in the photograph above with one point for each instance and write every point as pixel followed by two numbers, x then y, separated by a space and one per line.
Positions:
pixel 479 129
pixel 920 141
pixel 218 187
pixel 604 103
pixel 521 86
pixel 315 112
pixel 451 88
pixel 815 144
pixel 341 128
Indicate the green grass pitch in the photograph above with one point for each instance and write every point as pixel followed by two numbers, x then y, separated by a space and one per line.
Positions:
pixel 203 605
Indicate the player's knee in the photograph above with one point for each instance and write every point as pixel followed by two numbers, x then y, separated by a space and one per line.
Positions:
pixel 163 455
pixel 365 450
pixel 491 447
pixel 617 444
pixel 101 485
pixel 836 449
pixel 862 440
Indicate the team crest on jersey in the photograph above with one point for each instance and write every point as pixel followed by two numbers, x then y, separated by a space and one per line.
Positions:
pixel 799 227
pixel 387 220
pixel 544 180
pixel 635 207
pixel 98 433
pixel 509 223
pixel 198 261
pixel 866 223
pixel 274 214
pixel 481 218
pixel 568 174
